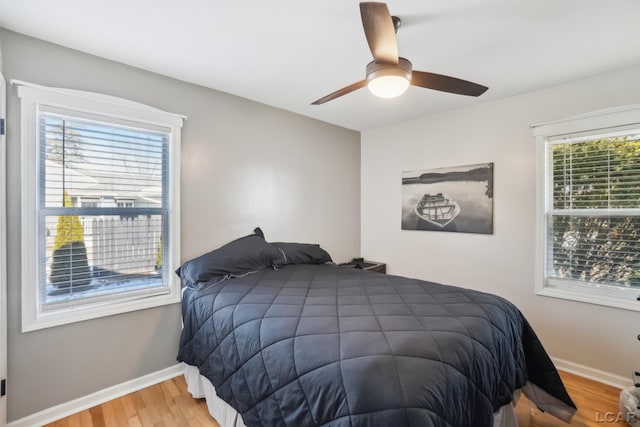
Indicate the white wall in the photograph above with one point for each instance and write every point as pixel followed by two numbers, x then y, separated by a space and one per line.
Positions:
pixel 503 263
pixel 244 164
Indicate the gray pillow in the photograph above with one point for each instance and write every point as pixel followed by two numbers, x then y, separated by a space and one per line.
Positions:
pixel 239 257
pixel 300 253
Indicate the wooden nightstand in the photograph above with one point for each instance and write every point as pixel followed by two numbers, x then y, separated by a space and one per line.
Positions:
pixel 378 267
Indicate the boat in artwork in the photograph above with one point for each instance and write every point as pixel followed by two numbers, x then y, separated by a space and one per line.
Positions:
pixel 438 209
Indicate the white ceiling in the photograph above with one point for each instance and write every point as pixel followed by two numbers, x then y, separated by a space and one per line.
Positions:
pixel 288 53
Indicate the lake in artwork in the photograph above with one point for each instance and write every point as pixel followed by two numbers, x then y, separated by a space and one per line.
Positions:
pixel 455 199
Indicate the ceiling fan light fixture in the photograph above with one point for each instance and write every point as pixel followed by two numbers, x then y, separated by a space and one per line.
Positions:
pixel 388 75
pixel 388 86
pixel 388 80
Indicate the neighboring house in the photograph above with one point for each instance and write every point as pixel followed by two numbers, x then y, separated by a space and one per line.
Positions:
pixel 90 189
pixel 132 234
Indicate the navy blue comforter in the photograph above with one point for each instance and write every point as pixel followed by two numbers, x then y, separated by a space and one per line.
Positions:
pixel 320 345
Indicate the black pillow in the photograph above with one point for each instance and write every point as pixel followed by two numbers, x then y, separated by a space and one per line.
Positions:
pixel 239 257
pixel 300 253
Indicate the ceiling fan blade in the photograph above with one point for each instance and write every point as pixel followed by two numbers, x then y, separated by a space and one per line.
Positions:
pixel 340 92
pixel 380 32
pixel 446 84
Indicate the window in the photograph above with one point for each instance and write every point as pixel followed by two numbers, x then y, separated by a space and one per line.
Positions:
pixel 589 208
pixel 124 203
pixel 100 175
pixel 85 202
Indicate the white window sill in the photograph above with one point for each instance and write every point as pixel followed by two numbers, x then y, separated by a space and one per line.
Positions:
pixel 624 299
pixel 42 320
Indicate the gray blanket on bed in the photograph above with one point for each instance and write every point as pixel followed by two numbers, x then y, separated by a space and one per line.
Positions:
pixel 320 345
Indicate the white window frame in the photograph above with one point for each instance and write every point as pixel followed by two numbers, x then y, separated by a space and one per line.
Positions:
pixel 595 124
pixel 32 96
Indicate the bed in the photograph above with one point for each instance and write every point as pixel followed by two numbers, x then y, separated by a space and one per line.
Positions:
pixel 285 338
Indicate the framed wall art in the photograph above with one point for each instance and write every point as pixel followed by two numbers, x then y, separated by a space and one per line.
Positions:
pixel 455 199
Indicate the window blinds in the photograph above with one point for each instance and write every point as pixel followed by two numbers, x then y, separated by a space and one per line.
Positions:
pixel 593 223
pixel 103 208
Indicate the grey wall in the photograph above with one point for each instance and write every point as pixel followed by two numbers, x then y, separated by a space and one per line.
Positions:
pixel 243 164
pixel 599 337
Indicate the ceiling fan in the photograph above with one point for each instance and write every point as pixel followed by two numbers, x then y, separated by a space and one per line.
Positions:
pixel 388 75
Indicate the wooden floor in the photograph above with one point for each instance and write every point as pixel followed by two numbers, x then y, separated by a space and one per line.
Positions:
pixel 169 404
pixel 162 405
pixel 597 405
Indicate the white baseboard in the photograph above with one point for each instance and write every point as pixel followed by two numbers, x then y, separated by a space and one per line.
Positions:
pixel 63 410
pixel 593 374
